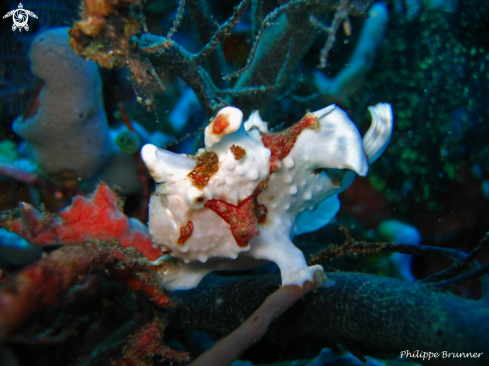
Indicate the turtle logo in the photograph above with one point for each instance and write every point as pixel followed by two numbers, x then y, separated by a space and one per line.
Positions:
pixel 20 17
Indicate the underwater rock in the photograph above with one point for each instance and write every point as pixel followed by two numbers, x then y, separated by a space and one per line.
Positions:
pixel 239 201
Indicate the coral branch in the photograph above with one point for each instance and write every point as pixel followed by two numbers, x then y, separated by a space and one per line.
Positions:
pixel 172 57
pixel 222 32
pixel 256 15
pixel 452 282
pixel 361 247
pixel 264 25
pixel 369 313
pixel 339 88
pixel 341 16
pixel 206 27
pixel 267 22
pixel 291 21
pixel 231 347
pixel 111 44
pixel 177 20
pixel 461 265
pixel 260 90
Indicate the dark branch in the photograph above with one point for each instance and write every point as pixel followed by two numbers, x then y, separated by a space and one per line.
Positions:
pixel 177 20
pixel 472 275
pixel 252 329
pixel 265 24
pixel 205 27
pixel 369 313
pixel 290 20
pixel 460 266
pixel 285 43
pixel 256 15
pixel 261 89
pixel 222 32
pixel 174 58
pixel 362 247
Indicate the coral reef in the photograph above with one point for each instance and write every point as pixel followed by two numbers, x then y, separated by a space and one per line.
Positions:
pixel 86 282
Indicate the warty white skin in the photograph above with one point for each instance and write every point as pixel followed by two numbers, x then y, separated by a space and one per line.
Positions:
pixel 298 197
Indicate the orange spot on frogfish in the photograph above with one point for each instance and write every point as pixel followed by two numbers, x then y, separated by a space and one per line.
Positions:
pixel 219 124
pixel 185 232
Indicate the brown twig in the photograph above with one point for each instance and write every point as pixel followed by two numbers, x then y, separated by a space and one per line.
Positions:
pixel 125 117
pixel 362 247
pixel 347 234
pixel 205 26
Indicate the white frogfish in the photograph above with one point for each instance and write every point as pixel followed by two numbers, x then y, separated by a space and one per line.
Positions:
pixel 239 201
